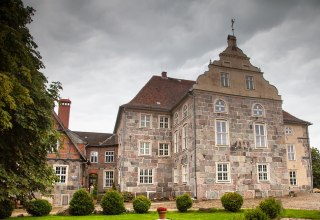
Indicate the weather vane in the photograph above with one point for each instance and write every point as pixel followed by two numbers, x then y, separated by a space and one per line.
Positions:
pixel 232 22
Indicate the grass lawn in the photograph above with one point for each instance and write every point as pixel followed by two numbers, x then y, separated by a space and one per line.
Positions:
pixel 192 215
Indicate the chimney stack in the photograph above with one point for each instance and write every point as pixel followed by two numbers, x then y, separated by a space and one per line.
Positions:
pixel 232 41
pixel 64 111
pixel 164 75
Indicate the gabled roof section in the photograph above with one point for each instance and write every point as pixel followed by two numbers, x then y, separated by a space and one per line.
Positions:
pixel 161 93
pixel 290 119
pixel 94 138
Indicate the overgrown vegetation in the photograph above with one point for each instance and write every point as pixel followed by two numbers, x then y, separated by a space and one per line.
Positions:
pixel 141 204
pixel 6 208
pixel 315 156
pixel 232 201
pixel 184 202
pixel 81 203
pixel 112 203
pixel 38 207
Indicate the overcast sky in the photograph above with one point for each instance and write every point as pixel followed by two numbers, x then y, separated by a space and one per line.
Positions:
pixel 103 52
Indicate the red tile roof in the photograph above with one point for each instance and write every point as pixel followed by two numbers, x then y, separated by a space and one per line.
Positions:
pixel 288 118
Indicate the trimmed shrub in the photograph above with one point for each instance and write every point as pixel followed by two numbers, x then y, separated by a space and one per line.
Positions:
pixel 183 202
pixel 6 208
pixel 38 207
pixel 271 207
pixel 112 203
pixel 81 203
pixel 141 204
pixel 232 201
pixel 255 214
pixel 127 196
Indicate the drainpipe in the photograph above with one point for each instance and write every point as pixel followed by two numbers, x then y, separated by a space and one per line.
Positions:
pixel 195 145
pixel 123 149
pixel 310 158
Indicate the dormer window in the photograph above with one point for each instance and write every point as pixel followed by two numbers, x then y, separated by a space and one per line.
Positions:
pixel 257 110
pixel 220 106
pixel 250 82
pixel 224 79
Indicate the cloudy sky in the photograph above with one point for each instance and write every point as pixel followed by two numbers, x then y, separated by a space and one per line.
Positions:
pixel 103 52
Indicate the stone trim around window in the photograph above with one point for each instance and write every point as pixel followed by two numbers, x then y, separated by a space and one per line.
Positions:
pixel 62 172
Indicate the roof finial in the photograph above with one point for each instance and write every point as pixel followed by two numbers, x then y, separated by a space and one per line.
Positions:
pixel 232 22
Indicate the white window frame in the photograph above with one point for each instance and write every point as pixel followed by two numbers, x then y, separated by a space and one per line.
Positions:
pixel 250 82
pixel 263 174
pixel 219 133
pixel 164 150
pixel 260 139
pixel 176 118
pixel 175 175
pixel 175 141
pixel 108 180
pixel 220 106
pixel 94 156
pixel 225 176
pixel 109 157
pixel 185 111
pixel 184 136
pixel 293 181
pixel 291 152
pixel 185 173
pixel 145 120
pixel 288 130
pixel 164 121
pixel 145 176
pixel 145 148
pixel 257 110
pixel 224 79
pixel 60 174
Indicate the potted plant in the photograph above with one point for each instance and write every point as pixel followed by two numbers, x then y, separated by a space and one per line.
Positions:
pixel 162 212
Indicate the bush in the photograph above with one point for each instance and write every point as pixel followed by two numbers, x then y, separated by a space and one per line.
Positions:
pixel 127 196
pixel 141 204
pixel 271 207
pixel 232 201
pixel 81 203
pixel 183 202
pixel 38 207
pixel 255 214
pixel 6 208
pixel 112 203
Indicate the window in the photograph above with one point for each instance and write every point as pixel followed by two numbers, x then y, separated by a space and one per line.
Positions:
pixel 249 82
pixel 145 148
pixel 185 111
pixel 185 173
pixel 220 106
pixel 184 137
pixel 257 110
pixel 224 79
pixel 175 176
pixel 176 118
pixel 163 149
pixel 109 156
pixel 221 132
pixel 163 122
pixel 222 172
pixel 293 177
pixel 291 152
pixel 108 179
pixel 94 157
pixel 263 172
pixel 175 141
pixel 62 173
pixel 146 176
pixel 145 121
pixel 288 131
pixel 260 135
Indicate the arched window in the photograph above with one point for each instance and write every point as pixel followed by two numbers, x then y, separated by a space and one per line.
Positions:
pixel 220 106
pixel 185 111
pixel 176 118
pixel 257 110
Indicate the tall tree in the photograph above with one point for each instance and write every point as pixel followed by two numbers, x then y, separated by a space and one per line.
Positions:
pixel 26 104
pixel 315 156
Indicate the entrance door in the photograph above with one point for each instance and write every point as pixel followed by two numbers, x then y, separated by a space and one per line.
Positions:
pixel 93 179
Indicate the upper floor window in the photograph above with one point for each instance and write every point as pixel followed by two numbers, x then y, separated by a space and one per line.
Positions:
pixel 62 173
pixel 175 141
pixel 145 148
pixel 185 173
pixel 257 110
pixel 291 152
pixel 293 177
pixel 145 176
pixel 109 156
pixel 263 172
pixel 108 179
pixel 250 82
pixel 288 130
pixel 184 136
pixel 224 79
pixel 223 172
pixel 220 106
pixel 260 135
pixel 145 121
pixel 94 156
pixel 176 118
pixel 185 111
pixel 164 149
pixel 163 121
pixel 222 132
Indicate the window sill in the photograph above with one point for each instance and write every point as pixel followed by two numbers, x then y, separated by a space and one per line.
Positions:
pixel 223 182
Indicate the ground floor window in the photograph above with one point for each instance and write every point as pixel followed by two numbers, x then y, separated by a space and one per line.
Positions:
pixel 108 178
pixel 62 173
pixel 293 177
pixel 146 176
pixel 263 173
pixel 223 172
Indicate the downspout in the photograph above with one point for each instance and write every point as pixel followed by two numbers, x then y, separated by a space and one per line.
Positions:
pixel 123 149
pixel 310 158
pixel 195 145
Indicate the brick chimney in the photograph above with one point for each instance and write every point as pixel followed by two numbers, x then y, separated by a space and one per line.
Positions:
pixel 232 41
pixel 64 111
pixel 164 75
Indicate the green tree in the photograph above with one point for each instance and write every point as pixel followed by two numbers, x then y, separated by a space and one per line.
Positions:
pixel 26 104
pixel 315 156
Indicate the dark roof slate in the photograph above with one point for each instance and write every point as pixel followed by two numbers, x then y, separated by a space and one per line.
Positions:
pixel 94 138
pixel 288 118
